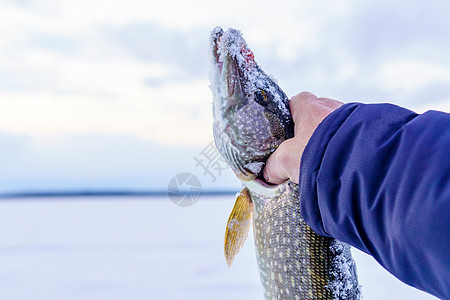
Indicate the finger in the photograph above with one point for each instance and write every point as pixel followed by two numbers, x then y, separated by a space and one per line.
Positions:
pixel 274 171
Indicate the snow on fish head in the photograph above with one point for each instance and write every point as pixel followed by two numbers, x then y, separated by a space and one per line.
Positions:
pixel 251 112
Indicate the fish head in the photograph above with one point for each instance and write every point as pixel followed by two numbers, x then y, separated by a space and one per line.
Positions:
pixel 251 112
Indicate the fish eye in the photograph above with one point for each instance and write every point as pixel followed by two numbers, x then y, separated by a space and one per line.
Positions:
pixel 261 97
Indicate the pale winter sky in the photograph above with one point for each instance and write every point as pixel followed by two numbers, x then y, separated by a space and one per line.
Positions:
pixel 114 94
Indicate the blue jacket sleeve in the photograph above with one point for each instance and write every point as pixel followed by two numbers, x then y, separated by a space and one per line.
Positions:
pixel 377 177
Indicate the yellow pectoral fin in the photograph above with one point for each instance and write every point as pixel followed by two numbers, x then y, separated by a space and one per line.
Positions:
pixel 238 225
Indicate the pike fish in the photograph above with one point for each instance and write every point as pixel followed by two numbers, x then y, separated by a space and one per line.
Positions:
pixel 251 119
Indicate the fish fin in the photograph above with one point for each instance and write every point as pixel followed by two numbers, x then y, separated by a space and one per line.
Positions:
pixel 238 225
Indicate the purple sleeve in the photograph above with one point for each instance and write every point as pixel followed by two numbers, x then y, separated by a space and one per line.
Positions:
pixel 377 176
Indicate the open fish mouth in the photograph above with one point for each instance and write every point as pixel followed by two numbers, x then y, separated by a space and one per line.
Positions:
pixel 215 38
pixel 231 56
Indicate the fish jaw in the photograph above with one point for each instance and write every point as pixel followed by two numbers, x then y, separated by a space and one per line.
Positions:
pixel 251 113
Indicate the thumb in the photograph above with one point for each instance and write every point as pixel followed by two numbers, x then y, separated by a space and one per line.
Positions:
pixel 277 165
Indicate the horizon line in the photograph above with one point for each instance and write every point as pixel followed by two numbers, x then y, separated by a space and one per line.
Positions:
pixel 104 193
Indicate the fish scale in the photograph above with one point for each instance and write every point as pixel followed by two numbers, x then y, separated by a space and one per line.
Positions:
pixel 251 119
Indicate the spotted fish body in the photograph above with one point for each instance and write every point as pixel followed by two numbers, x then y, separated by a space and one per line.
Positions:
pixel 251 119
pixel 294 262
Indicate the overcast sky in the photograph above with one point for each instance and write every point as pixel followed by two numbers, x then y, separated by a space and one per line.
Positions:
pixel 114 94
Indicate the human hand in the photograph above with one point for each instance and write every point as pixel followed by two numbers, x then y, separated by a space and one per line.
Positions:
pixel 307 112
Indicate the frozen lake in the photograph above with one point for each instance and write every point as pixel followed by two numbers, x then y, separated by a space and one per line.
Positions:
pixel 137 248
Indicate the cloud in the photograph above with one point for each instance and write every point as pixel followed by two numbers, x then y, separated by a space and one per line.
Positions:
pixel 173 114
pixel 50 87
pixel 119 55
pixel 371 52
pixel 384 27
pixel 185 51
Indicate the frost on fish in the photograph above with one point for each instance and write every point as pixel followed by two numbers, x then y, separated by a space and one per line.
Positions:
pixel 343 283
pixel 255 167
pixel 251 113
pixel 232 44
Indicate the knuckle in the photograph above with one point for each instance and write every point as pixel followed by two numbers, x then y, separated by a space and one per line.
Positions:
pixel 303 97
pixel 306 95
pixel 302 101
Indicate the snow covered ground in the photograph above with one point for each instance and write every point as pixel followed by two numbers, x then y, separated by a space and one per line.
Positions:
pixel 137 248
